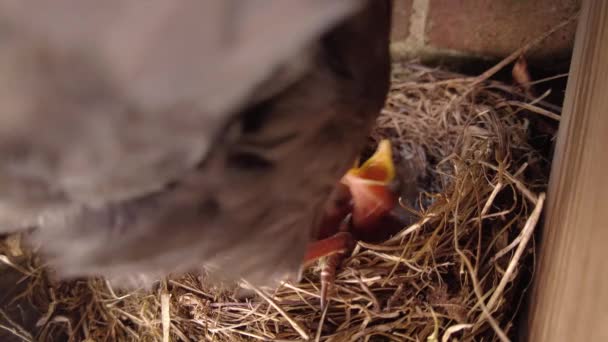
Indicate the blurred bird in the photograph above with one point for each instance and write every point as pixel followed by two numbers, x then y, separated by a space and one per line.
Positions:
pixel 143 139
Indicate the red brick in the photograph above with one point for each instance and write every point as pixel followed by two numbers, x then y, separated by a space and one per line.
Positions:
pixel 498 27
pixel 402 10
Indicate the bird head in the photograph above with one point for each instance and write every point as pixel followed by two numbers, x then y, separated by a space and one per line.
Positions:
pixel 370 187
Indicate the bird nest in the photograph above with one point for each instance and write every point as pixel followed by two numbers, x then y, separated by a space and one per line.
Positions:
pixel 459 272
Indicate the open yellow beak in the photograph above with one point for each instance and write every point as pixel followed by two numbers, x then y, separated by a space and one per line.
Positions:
pixel 368 185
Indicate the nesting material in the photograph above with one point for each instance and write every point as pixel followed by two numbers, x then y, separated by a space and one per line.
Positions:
pixel 459 272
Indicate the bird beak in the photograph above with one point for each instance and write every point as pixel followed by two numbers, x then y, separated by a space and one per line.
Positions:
pixel 369 186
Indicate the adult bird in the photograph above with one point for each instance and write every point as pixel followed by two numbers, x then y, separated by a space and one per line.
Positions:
pixel 166 136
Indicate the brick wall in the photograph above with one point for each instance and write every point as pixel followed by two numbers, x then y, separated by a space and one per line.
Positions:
pixel 480 28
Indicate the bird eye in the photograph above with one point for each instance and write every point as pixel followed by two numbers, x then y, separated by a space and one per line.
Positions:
pixel 253 118
pixel 248 161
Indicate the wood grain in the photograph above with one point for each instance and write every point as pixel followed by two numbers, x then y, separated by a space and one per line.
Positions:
pixel 570 297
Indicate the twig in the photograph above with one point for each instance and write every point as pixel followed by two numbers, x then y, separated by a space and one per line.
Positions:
pixel 165 315
pixel 297 327
pixel 491 199
pixel 531 108
pixel 454 329
pixel 484 309
pixel 526 235
pixel 321 321
pixel 190 288
pixel 365 288
pixel 518 184
pixel 17 329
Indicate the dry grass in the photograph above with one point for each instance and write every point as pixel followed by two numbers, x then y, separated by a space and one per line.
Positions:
pixel 458 272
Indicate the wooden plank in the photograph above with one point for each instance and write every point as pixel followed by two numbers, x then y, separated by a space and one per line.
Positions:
pixel 570 297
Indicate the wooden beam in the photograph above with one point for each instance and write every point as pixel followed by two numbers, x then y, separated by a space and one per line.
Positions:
pixel 569 301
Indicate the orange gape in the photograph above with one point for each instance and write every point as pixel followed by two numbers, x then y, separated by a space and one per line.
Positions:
pixel 372 198
pixel 364 193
